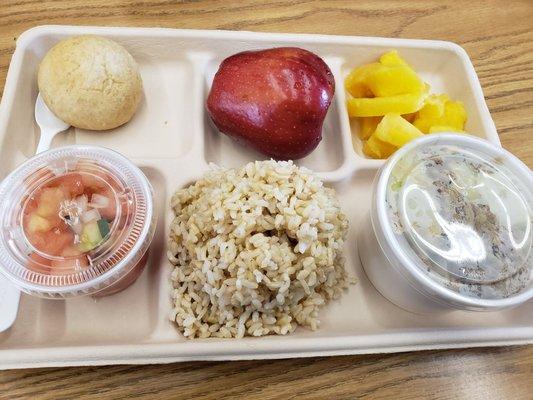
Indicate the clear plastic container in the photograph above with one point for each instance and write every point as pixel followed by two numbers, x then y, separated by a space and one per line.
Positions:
pixel 76 220
pixel 451 227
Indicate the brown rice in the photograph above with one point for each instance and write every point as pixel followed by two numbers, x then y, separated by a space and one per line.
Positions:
pixel 257 251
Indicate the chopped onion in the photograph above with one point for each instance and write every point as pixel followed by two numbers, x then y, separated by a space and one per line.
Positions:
pixel 77 227
pixel 91 215
pixel 99 201
pixel 81 202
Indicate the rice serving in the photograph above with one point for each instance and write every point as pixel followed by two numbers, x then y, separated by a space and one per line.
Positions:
pixel 256 250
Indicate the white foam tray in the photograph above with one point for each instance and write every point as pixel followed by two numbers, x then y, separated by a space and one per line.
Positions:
pixel 171 139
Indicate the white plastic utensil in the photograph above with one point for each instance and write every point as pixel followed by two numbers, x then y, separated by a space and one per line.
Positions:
pixel 49 124
pixel 9 303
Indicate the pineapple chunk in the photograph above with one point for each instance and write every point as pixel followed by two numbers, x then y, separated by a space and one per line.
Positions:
pixel 395 130
pixel 439 110
pixel 370 151
pixel 375 148
pixel 434 106
pixel 38 224
pixel 400 104
pixel 355 82
pixel 393 80
pixel 382 79
pixel 392 58
pixel 455 115
pixel 367 126
pixel 359 90
pixel 431 112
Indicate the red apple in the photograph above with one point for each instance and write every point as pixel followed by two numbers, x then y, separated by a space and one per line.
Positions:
pixel 274 100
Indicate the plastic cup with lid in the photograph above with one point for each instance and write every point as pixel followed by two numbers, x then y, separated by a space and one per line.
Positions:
pixel 450 227
pixel 76 220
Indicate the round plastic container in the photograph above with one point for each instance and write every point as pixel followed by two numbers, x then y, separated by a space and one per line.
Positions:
pixel 76 220
pixel 450 227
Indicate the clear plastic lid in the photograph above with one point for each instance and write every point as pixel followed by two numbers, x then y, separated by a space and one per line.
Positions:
pixel 74 221
pixel 463 215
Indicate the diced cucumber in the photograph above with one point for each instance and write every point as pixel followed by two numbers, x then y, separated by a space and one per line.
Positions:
pixel 90 236
pixel 93 233
pixel 103 226
pixel 84 247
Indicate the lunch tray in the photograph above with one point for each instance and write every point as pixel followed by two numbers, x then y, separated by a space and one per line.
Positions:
pixel 172 140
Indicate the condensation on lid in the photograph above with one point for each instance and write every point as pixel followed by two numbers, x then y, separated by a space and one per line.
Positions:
pixel 465 215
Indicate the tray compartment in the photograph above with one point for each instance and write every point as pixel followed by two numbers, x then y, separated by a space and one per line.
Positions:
pixel 446 70
pixel 224 151
pixel 162 118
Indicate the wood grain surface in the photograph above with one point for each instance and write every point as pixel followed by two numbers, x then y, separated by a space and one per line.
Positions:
pixel 498 36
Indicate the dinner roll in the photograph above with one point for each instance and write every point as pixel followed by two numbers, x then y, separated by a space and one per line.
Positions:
pixel 90 82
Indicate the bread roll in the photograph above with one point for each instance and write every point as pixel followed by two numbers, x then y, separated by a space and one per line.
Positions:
pixel 90 82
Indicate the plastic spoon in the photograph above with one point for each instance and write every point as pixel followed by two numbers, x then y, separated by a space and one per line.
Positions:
pixel 49 124
pixel 9 303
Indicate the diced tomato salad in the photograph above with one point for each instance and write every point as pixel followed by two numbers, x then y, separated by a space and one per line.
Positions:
pixel 67 218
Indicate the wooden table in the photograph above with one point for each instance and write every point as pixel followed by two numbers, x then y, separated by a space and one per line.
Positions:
pixel 498 36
